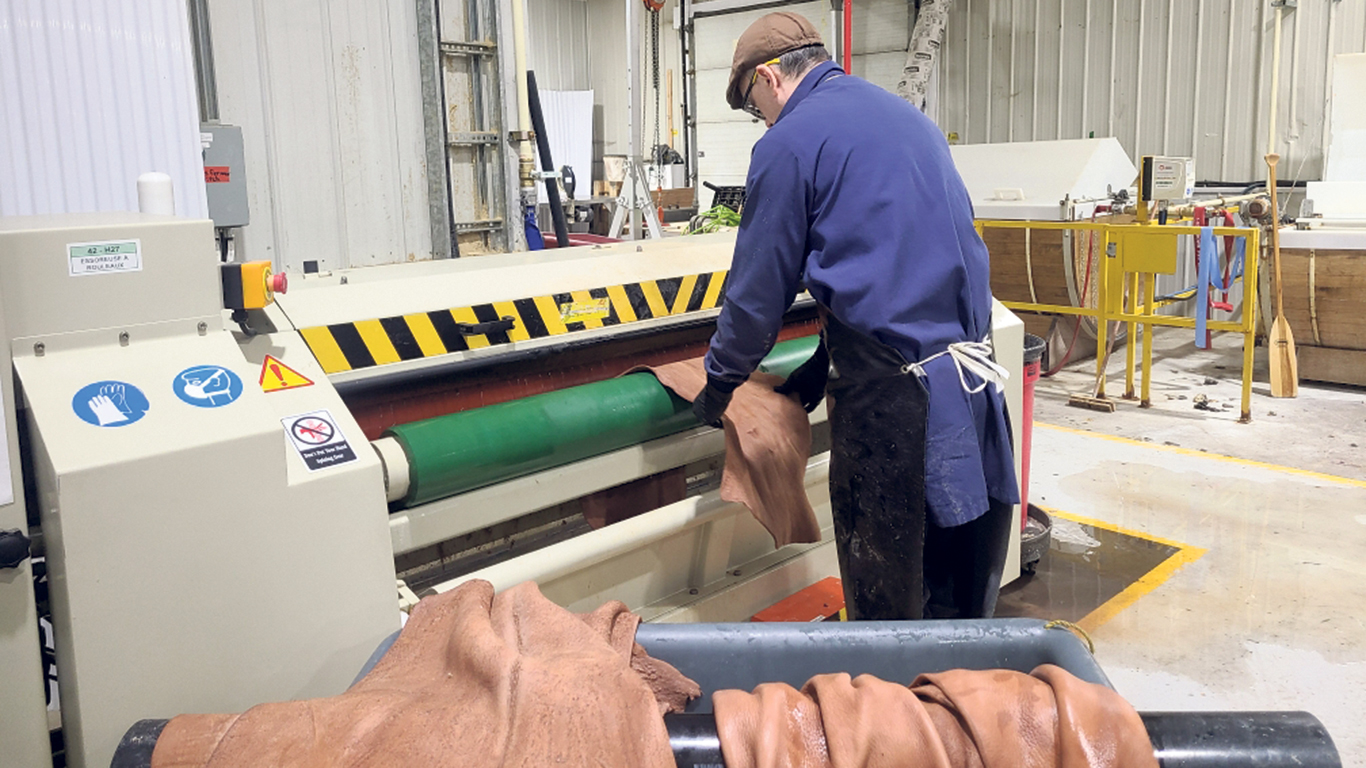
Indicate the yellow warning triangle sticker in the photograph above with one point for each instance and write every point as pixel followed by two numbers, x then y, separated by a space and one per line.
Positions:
pixel 276 376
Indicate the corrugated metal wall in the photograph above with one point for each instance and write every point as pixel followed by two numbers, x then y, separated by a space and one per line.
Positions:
pixel 557 44
pixel 606 57
pixel 329 99
pixel 1174 77
pixel 92 94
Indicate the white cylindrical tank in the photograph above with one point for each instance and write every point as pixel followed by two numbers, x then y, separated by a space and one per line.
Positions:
pixel 156 194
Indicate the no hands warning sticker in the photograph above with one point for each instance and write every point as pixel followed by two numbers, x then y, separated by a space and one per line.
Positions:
pixel 276 376
pixel 318 440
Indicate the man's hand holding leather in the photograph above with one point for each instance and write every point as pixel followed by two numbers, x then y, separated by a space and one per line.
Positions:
pixel 712 401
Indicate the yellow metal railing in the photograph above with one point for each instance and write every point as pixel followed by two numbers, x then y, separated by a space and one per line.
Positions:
pixel 1131 251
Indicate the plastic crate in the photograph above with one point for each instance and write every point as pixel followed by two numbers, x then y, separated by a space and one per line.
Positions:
pixel 731 197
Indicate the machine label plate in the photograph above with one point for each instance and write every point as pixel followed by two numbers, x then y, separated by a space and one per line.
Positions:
pixel 318 439
pixel 581 311
pixel 104 257
pixel 207 386
pixel 110 404
pixel 276 376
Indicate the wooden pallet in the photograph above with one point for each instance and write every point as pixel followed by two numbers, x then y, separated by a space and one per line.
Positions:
pixel 673 198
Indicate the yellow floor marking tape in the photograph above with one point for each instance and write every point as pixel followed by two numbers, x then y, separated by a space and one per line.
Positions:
pixel 1184 555
pixel 1205 455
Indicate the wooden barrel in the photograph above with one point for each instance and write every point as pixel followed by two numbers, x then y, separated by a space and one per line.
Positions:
pixel 1045 266
pixel 1325 304
pixel 1325 296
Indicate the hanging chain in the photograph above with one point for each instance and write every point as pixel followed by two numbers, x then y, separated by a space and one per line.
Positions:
pixel 654 78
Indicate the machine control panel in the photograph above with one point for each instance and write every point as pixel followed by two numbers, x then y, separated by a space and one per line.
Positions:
pixel 1167 178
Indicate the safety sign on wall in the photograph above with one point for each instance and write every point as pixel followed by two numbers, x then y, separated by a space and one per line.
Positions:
pixel 318 440
pixel 207 386
pixel 110 404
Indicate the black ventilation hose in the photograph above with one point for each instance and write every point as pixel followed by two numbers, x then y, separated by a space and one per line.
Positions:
pixel 552 189
pixel 1180 740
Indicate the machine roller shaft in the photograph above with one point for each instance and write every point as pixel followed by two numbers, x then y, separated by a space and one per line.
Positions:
pixel 1180 740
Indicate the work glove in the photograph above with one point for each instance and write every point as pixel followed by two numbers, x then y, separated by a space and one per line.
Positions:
pixel 808 381
pixel 712 401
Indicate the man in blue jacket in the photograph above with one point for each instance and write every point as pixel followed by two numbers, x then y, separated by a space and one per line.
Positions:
pixel 852 193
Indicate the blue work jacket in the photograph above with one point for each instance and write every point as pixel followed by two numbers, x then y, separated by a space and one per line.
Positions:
pixel 853 193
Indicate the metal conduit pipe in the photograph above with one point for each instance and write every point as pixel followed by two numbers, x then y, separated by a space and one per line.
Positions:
pixel 526 158
pixel 1213 202
pixel 1180 740
pixel 446 455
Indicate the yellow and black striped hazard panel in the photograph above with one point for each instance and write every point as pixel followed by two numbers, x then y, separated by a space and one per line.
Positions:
pixel 368 343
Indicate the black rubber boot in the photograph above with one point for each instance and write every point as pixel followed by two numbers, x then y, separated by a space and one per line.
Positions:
pixel 963 564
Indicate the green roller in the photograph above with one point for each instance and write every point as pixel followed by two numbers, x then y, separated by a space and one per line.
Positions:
pixel 467 450
pixel 787 355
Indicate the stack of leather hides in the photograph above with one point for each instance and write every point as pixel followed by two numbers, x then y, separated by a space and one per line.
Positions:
pixel 477 681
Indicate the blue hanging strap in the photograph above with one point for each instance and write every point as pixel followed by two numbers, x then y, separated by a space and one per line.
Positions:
pixel 1209 273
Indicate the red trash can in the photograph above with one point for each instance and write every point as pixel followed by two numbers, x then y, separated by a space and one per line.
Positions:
pixel 1033 360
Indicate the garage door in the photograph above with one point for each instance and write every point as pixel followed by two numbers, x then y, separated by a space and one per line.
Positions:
pixel 725 136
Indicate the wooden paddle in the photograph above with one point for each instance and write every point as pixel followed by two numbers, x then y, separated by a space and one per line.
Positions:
pixel 1285 377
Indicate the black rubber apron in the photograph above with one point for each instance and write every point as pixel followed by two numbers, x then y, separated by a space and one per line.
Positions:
pixel 878 415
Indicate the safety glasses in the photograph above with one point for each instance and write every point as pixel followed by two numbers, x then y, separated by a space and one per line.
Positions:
pixel 748 106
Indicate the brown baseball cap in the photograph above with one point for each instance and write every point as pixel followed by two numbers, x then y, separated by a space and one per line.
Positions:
pixel 766 39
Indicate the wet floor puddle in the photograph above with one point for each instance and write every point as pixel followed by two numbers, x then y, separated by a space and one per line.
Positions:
pixel 1086 566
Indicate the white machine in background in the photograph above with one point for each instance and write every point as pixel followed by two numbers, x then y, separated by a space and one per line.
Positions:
pixel 217 528
pixel 1043 180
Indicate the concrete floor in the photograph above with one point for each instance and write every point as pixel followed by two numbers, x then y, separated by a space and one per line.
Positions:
pixel 1323 430
pixel 1273 614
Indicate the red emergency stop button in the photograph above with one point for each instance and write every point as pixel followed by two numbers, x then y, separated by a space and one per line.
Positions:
pixel 279 283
